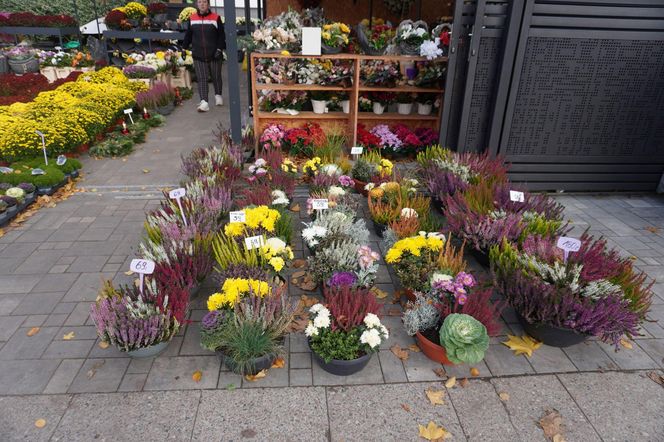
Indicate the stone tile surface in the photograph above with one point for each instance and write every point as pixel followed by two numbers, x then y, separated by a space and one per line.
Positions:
pixel 19 414
pixel 175 373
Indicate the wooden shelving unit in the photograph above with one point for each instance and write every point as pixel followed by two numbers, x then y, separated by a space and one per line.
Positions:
pixel 351 119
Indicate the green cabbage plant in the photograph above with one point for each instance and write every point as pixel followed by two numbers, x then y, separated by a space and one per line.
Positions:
pixel 465 339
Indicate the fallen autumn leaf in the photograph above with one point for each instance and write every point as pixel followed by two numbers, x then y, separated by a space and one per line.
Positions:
pixel 435 396
pixel 40 423
pixel 33 331
pixel 522 344
pixel 451 382
pixel 433 432
pixel 69 336
pixel 399 352
pixel 196 377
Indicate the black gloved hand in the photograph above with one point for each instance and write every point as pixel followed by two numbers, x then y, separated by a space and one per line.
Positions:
pixel 218 54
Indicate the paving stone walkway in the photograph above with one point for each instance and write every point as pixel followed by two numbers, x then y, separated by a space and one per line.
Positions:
pixel 51 268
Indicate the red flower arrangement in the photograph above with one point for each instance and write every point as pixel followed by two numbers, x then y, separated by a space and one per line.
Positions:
pixel 427 135
pixel 445 38
pixel 366 138
pixel 115 19
pixel 302 141
pixel 24 88
pixel 40 21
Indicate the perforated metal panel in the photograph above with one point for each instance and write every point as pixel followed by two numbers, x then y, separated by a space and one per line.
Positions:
pixel 589 97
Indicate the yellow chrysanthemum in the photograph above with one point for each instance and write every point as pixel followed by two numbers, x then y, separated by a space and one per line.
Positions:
pixel 277 263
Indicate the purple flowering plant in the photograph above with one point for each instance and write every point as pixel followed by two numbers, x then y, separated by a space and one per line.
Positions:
pixel 388 139
pixel 342 278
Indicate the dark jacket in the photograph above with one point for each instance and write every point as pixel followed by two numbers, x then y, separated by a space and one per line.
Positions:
pixel 205 35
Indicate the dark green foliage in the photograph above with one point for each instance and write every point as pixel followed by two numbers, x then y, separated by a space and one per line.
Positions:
pixel 337 344
pixel 244 341
pixel 52 176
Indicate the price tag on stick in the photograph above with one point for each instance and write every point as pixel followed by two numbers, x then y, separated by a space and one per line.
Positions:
pixel 568 245
pixel 129 112
pixel 356 150
pixel 43 146
pixel 253 242
pixel 142 267
pixel 517 196
pixel 320 204
pixel 177 195
pixel 238 216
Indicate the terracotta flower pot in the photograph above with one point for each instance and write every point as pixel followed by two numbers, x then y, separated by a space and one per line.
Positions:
pixel 410 295
pixel 359 187
pixel 431 350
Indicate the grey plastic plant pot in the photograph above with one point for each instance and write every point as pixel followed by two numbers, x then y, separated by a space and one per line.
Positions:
pixel 150 351
pixel 339 367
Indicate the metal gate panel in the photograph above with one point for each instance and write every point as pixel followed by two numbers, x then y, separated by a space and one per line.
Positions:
pixel 587 89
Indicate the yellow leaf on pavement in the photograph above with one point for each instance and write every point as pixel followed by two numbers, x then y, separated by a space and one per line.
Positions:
pixel 451 382
pixel 33 331
pixel 69 336
pixel 103 345
pixel 279 363
pixel 504 396
pixel 146 170
pixel 435 396
pixel 522 344
pixel 378 293
pixel 433 432
pixel 40 423
pixel 261 374
pixel 551 423
pixel 128 273
pixel 474 372
pixel 414 348
pixel 295 208
pixel 399 352
pixel 625 343
pixel 196 377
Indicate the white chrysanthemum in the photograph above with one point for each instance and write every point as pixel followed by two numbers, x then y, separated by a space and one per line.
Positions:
pixel 311 233
pixel 383 185
pixel 330 169
pixel 370 337
pixel 369 186
pixel 336 191
pixel 437 276
pixel 275 244
pixel 311 330
pixel 276 193
pixel 260 162
pixel 371 320
pixel 279 201
pixel 386 333
pixel 322 320
pixel 316 308
pixel 407 212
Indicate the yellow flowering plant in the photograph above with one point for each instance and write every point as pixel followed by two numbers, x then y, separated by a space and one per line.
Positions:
pixel 335 35
pixel 135 10
pixel 311 166
pixel 259 220
pixel 186 14
pixel 234 289
pixel 415 258
pixel 276 254
pixel 289 167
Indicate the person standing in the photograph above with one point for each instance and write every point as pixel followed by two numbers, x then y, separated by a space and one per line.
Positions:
pixel 207 39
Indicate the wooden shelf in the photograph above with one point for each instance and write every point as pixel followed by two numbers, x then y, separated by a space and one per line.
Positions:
pixel 304 115
pixel 349 57
pixel 300 87
pixel 395 116
pixel 413 89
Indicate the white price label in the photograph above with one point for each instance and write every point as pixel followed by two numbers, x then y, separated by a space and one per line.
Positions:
pixel 356 150
pixel 177 193
pixel 517 196
pixel 253 242
pixel 61 160
pixel 320 204
pixel 142 266
pixel 6 169
pixel 569 244
pixel 37 172
pixel 128 111
pixel 238 216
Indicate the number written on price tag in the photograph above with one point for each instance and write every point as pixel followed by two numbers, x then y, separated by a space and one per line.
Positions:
pixel 320 204
pixel 356 150
pixel 238 217
pixel 177 193
pixel 142 266
pixel 4 169
pixel 253 242
pixel 61 160
pixel 128 111
pixel 569 244
pixel 517 196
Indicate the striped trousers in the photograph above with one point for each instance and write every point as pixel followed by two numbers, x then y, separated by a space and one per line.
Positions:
pixel 203 71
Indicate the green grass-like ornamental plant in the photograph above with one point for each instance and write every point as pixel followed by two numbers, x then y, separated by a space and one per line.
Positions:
pixel 465 339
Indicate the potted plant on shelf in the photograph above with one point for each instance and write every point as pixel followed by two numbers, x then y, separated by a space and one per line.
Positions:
pixel 319 101
pixel 405 103
pixel 410 36
pixel 425 103
pixel 140 73
pixel 139 323
pixel 374 40
pixel 334 37
pixel 381 100
pixel 344 102
pixel 561 300
pixel 158 11
pixel 346 331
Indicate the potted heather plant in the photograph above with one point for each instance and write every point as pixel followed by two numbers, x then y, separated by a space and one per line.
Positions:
pixel 139 323
pixel 391 201
pixel 562 300
pixel 405 103
pixel 344 332
pixel 450 318
pixel 159 97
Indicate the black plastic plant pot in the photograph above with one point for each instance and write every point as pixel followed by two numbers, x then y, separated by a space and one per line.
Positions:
pixel 481 257
pixel 339 367
pixel 45 191
pixel 552 335
pixel 380 228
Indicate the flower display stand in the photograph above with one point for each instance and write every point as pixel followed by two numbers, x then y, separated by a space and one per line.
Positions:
pixel 335 120
pixel 182 78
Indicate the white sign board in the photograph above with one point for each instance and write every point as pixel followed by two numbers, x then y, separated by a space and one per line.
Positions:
pixel 517 196
pixel 238 216
pixel 356 150
pixel 311 41
pixel 253 242
pixel 320 204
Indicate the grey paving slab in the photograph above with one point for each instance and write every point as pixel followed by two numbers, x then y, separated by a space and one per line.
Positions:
pixel 547 359
pixel 25 377
pixel 502 361
pixel 530 397
pixel 191 345
pixel 34 320
pixel 38 303
pixel 64 376
pixel 86 287
pixel 620 406
pixel 19 414
pixel 481 412
pixel 154 416
pixel 140 365
pixel 375 412
pixel 589 356
pixel 420 368
pixel 8 325
pixel 18 283
pixel 8 303
pixel 392 367
pixel 38 261
pixel 300 360
pixel 629 359
pixel 22 346
pixel 229 380
pixel 68 349
pixel 133 382
pixel 654 348
pixel 218 417
pixel 88 264
pixel 99 376
pixel 300 377
pixel 175 373
pixel 55 283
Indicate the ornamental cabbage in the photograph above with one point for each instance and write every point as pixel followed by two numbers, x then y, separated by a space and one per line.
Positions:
pixel 465 339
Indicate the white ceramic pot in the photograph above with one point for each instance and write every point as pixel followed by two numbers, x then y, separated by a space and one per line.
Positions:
pixel 378 108
pixel 63 72
pixel 345 106
pixel 319 106
pixel 424 109
pixel 49 73
pixel 405 108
